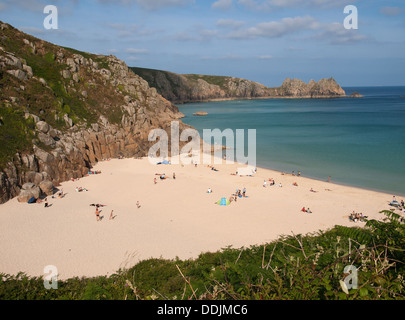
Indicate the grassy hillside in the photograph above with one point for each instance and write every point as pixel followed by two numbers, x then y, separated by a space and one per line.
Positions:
pixel 47 94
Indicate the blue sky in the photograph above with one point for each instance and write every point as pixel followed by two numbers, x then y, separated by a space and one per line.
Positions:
pixel 260 40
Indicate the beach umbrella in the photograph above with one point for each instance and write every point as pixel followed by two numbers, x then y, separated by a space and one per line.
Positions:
pixel 223 202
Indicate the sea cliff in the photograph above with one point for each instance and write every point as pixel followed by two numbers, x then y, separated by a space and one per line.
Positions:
pixel 63 110
pixel 182 88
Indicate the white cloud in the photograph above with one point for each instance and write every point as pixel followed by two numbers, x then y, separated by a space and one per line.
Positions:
pixel 133 58
pixel 229 23
pixel 270 5
pixel 157 4
pixel 136 51
pixel 222 4
pixel 335 33
pixel 266 57
pixel 274 29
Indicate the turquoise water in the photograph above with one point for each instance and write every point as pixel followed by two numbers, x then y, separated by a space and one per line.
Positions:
pixel 358 142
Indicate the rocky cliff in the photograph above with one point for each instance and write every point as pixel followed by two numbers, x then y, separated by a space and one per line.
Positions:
pixel 179 88
pixel 62 110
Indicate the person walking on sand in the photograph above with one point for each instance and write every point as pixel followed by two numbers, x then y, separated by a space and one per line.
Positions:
pixel 154 180
pixel 264 184
pixel 111 215
pixel 174 175
pixel 97 214
pixel 138 205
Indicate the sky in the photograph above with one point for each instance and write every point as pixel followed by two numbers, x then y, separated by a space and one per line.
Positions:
pixel 260 40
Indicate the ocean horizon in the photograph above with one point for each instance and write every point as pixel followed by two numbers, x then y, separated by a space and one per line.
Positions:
pixel 358 142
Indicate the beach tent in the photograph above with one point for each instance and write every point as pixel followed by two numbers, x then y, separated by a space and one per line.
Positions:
pixel 246 171
pixel 223 202
pixel 32 200
pixel 164 162
pixel 395 203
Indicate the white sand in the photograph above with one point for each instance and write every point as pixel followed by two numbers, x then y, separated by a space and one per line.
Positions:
pixel 176 218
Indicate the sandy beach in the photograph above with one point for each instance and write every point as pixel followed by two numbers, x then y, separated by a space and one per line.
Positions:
pixel 176 217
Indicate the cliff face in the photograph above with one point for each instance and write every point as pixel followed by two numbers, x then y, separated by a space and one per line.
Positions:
pixel 321 89
pixel 62 110
pixel 190 87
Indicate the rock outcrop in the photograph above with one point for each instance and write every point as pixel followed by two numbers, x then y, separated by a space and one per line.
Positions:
pixel 63 110
pixel 324 88
pixel 179 88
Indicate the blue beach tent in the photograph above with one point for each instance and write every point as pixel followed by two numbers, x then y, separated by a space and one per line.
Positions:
pixel 223 202
pixel 32 200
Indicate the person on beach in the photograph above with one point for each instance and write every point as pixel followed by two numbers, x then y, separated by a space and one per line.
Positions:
pixel 299 173
pixel 209 190
pixel 264 183
pixel 174 175
pixel 402 203
pixel 46 203
pixel 303 209
pixel 154 180
pixel 111 215
pixel 309 211
pixel 97 214
pixel 329 178
pixel 244 192
pixel 138 205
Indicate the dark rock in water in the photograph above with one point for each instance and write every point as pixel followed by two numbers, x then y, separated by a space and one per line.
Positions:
pixel 200 113
pixel 356 95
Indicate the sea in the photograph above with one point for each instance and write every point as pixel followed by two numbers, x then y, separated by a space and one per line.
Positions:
pixel 356 141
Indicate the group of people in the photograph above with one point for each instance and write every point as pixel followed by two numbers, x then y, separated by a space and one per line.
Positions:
pixel 355 216
pixel 94 172
pixel 306 210
pixel 80 189
pixel 271 183
pixel 238 194
pixel 112 216
pixel 162 176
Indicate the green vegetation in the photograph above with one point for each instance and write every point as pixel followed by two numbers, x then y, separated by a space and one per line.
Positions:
pixel 215 80
pixel 296 267
pixel 16 132
pixel 48 95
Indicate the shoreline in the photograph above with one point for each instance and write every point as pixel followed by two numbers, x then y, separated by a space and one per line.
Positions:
pixel 344 184
pixel 176 218
pixel 257 98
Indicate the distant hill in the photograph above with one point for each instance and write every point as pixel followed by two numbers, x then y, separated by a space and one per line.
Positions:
pixel 181 88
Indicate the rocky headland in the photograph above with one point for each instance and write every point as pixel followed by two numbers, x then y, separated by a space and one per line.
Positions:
pixel 63 110
pixel 182 88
